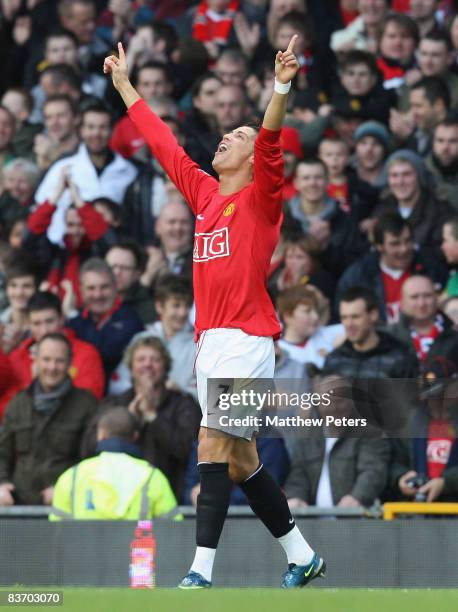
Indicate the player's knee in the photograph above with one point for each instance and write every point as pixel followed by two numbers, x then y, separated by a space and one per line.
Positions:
pixel 240 469
pixel 216 450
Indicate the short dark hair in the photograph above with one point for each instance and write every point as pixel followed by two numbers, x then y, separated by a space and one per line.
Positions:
pixel 57 337
pixel 60 32
pixel 390 223
pixel 435 89
pixel 197 85
pixel 95 105
pixel 44 300
pixel 405 23
pixel 358 56
pixel 152 65
pixel 452 222
pixel 129 244
pixel 64 73
pixel 449 121
pixel 61 98
pixel 358 292
pixel 110 205
pixel 300 22
pixel 118 422
pixel 437 35
pixel 313 161
pixel 174 286
pixel 21 265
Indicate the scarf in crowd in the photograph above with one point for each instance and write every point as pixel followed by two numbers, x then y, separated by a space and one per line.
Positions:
pixel 48 401
pixel 422 342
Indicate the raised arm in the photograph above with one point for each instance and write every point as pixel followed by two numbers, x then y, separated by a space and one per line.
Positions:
pixel 186 174
pixel 286 67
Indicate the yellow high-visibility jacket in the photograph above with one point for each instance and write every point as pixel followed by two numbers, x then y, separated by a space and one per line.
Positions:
pixel 113 486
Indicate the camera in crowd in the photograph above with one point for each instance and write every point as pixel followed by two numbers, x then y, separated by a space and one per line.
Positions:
pixel 415 483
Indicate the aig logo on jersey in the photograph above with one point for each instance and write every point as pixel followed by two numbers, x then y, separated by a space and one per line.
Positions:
pixel 229 209
pixel 211 245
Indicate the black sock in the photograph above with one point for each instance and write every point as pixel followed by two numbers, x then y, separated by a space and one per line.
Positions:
pixel 268 502
pixel 212 502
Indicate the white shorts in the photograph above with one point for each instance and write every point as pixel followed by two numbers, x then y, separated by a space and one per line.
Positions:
pixel 231 353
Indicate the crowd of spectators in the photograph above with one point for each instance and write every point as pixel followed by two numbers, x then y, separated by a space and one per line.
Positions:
pixel 96 242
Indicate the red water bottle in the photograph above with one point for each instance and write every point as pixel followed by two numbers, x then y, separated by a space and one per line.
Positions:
pixel 142 571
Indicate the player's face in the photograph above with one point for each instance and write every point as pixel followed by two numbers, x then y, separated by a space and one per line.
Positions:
pixel 369 153
pixel 445 144
pixel 357 320
pixel 311 181
pixel 174 313
pixel 419 299
pixel 148 363
pixel 52 363
pixel 304 320
pixel 449 244
pixel 95 132
pixel 235 149
pixel 397 251
pixel 42 322
pixel 98 292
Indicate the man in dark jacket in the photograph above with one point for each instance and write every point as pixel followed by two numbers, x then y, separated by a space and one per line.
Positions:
pixel 336 467
pixel 426 464
pixel 421 326
pixel 313 212
pixel 104 321
pixel 385 269
pixel 367 352
pixel 411 197
pixel 169 419
pixel 43 428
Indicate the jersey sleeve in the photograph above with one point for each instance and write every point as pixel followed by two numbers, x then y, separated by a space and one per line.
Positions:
pixel 268 176
pixel 185 174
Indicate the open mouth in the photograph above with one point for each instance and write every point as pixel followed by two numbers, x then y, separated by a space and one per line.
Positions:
pixel 222 147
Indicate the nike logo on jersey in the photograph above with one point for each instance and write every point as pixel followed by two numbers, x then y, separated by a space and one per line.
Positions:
pixel 200 217
pixel 211 245
pixel 291 521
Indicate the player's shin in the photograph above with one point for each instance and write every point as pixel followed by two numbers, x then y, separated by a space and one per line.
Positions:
pixel 212 505
pixel 269 503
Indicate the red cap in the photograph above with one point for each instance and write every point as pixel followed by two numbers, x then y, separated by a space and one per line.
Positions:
pixel 290 141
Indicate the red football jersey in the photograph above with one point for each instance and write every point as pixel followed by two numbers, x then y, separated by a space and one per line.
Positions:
pixel 235 234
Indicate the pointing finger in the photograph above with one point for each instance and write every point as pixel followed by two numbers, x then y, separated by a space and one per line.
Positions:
pixel 122 55
pixel 292 42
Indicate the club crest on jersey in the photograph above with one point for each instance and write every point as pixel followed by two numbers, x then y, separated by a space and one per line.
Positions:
pixel 210 245
pixel 229 209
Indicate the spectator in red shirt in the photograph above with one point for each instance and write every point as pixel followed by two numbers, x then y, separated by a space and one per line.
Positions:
pixel 87 234
pixel 45 317
pixel 213 23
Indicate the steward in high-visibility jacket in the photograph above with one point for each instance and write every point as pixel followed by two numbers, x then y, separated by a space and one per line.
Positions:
pixel 115 485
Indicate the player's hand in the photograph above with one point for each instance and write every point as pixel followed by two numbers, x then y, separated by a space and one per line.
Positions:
pixel 117 67
pixel 433 489
pixel 286 64
pixel 404 487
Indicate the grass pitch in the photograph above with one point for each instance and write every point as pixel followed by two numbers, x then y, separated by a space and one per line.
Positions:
pixel 255 600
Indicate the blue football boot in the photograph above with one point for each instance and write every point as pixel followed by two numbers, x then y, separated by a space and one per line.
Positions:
pixel 194 581
pixel 299 575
